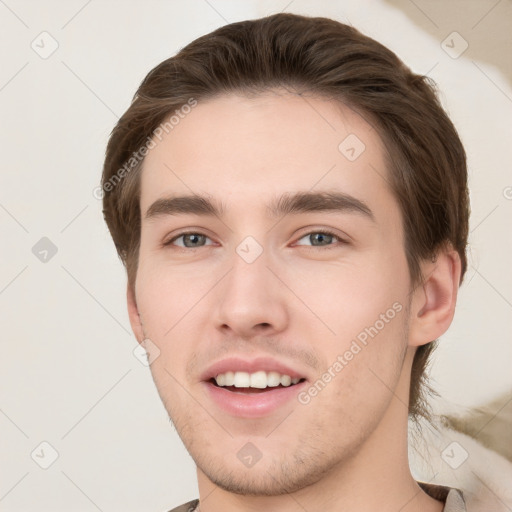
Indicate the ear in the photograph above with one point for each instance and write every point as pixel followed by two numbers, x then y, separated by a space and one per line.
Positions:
pixel 433 300
pixel 133 313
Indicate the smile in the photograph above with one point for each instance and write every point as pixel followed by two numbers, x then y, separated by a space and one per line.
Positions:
pixel 253 395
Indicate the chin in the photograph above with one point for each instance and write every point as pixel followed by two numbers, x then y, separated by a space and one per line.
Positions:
pixel 262 482
pixel 289 472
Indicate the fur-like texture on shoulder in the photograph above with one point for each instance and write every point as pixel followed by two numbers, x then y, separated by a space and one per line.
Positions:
pixel 478 464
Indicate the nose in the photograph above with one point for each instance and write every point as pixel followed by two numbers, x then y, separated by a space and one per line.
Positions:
pixel 251 300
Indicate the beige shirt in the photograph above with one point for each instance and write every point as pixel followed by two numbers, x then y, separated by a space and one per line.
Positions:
pixel 452 499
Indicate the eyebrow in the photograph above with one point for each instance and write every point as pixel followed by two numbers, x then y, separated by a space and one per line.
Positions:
pixel 286 204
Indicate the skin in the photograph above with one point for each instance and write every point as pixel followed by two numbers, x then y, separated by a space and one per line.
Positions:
pixel 298 302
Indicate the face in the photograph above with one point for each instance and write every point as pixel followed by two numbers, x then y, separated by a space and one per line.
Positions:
pixel 285 279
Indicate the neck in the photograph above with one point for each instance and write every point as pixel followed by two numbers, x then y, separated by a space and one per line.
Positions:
pixel 377 477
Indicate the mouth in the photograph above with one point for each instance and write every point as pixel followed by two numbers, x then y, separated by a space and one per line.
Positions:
pixel 252 389
pixel 254 383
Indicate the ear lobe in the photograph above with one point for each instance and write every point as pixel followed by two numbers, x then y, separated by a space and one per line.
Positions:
pixel 133 313
pixel 433 301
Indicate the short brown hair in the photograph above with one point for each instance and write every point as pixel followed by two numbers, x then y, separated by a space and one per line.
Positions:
pixel 325 58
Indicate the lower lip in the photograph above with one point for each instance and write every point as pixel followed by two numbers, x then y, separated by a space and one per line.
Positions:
pixel 252 405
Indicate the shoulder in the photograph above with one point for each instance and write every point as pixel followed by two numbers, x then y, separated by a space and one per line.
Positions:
pixel 479 475
pixel 452 498
pixel 186 507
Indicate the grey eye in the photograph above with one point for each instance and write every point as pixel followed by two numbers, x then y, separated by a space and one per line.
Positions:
pixel 319 239
pixel 190 240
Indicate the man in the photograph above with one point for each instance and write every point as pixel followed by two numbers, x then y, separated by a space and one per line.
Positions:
pixel 291 205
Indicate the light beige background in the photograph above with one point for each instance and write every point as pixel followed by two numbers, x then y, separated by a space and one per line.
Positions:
pixel 68 375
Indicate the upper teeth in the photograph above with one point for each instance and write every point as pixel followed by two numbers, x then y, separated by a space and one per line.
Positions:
pixel 259 379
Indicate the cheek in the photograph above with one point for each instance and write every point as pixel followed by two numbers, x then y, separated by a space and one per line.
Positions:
pixel 348 298
pixel 355 387
pixel 166 303
pixel 167 296
pixel 163 305
pixel 363 337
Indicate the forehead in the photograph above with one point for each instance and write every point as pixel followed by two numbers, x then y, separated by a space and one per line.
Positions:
pixel 246 150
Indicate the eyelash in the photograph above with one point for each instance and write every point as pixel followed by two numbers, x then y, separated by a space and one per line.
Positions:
pixel 317 231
